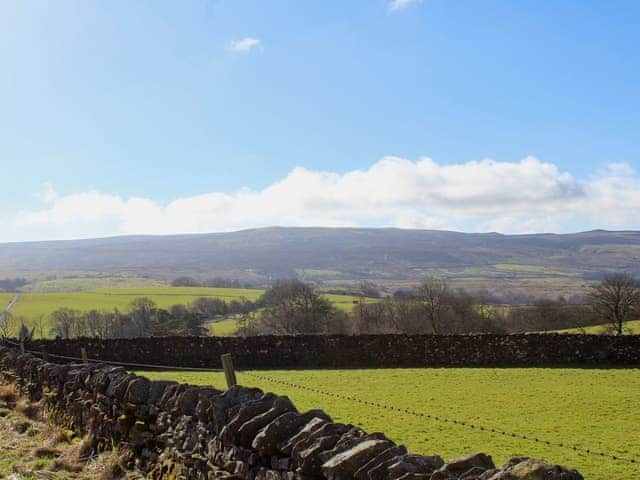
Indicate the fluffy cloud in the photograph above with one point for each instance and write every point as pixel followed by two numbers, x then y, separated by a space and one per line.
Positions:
pixel 400 4
pixel 245 45
pixel 486 195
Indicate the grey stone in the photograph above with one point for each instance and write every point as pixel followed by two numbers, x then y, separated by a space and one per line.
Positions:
pixel 138 390
pixel 455 468
pixel 311 426
pixel 532 469
pixel 157 389
pixel 345 464
pixel 249 429
pixel 249 410
pixel 281 429
pixel 382 460
pixel 415 464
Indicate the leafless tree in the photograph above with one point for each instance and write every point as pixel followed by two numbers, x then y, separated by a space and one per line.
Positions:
pixel 615 299
pixel 433 293
pixel 7 323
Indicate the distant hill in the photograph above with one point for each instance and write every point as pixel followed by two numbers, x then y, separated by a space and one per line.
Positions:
pixel 342 255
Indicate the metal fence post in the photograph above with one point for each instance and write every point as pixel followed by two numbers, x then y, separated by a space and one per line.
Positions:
pixel 229 372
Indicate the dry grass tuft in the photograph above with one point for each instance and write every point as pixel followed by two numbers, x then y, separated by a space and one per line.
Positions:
pixel 8 394
pixel 57 435
pixel 109 465
pixel 30 410
pixel 68 465
pixel 47 452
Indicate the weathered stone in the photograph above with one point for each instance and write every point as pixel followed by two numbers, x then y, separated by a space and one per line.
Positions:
pixel 455 468
pixel 415 476
pixel 344 465
pixel 118 385
pixel 283 428
pixel 349 440
pixel 280 463
pixel 385 458
pixel 308 429
pixel 157 389
pixel 473 474
pixel 223 405
pixel 138 390
pixel 308 460
pixel 325 430
pixel 488 474
pixel 532 469
pixel 248 411
pixel 186 401
pixel 249 429
pixel 414 464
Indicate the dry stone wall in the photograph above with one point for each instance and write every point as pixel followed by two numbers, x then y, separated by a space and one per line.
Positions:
pixel 344 351
pixel 184 431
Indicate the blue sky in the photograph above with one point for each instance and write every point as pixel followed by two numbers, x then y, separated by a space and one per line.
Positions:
pixel 167 117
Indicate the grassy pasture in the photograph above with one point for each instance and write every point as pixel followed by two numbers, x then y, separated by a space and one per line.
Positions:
pixel 5 298
pixel 632 327
pixel 33 306
pixel 223 328
pixel 592 408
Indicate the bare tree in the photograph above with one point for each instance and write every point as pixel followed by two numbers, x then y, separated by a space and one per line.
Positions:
pixel 615 299
pixel 64 322
pixel 433 293
pixel 7 324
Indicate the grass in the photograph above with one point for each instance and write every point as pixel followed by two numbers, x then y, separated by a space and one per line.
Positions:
pixel 33 449
pixel 5 298
pixel 35 306
pixel 592 408
pixel 223 328
pixel 630 328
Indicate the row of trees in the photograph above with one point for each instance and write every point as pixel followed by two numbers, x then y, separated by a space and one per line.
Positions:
pixel 292 307
pixel 144 319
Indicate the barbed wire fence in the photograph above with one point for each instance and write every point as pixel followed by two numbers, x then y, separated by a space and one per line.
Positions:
pixel 350 398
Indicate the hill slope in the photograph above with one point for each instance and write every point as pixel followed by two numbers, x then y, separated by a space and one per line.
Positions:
pixel 338 255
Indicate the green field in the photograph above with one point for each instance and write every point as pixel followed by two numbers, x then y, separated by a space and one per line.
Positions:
pixel 33 306
pixel 5 298
pixel 632 328
pixel 592 408
pixel 223 328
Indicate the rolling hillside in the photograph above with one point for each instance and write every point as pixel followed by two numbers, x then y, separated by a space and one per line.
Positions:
pixel 335 256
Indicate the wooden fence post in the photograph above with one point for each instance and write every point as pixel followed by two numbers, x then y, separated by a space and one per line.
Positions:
pixel 85 360
pixel 229 372
pixel 22 347
pixel 45 355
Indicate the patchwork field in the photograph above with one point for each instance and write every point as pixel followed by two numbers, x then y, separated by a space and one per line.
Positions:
pixel 35 306
pixel 591 408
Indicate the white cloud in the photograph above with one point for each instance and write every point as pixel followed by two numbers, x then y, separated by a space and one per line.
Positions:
pixel 47 194
pixel 395 5
pixel 486 195
pixel 245 45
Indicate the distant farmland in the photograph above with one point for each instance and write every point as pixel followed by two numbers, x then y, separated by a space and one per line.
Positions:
pixel 35 308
